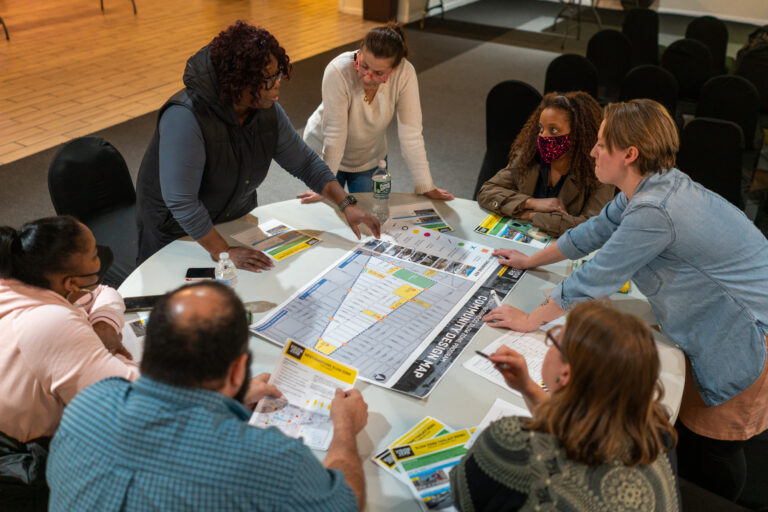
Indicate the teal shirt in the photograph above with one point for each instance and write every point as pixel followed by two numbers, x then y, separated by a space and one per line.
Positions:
pixel 151 446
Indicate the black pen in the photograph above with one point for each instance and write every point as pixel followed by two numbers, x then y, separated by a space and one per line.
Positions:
pixel 501 365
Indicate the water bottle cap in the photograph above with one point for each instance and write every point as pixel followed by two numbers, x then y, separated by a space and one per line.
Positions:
pixel 223 256
pixel 383 164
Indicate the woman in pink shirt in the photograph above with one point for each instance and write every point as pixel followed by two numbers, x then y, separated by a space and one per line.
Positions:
pixel 59 329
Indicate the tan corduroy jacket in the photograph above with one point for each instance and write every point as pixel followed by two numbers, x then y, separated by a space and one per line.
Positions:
pixel 505 193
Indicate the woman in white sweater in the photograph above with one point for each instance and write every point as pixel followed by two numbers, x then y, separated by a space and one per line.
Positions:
pixel 362 92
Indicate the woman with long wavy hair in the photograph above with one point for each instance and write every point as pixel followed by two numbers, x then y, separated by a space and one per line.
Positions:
pixel 597 441
pixel 550 179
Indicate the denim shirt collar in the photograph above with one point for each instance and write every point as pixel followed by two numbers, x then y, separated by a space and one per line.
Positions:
pixel 183 396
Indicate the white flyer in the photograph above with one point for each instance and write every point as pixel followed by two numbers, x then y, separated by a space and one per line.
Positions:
pixel 308 381
pixel 499 409
pixel 530 345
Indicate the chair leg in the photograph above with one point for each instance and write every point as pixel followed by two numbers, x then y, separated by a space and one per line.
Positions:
pixel 7 37
pixel 134 7
pixel 102 6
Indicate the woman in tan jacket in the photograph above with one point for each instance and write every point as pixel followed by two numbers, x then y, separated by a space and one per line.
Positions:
pixel 550 179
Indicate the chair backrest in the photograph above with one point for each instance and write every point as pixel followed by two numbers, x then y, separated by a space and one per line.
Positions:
pixel 752 64
pixel 508 106
pixel 714 34
pixel 641 26
pixel 611 53
pixel 652 82
pixel 710 153
pixel 571 72
pixel 732 98
pixel 89 176
pixel 691 63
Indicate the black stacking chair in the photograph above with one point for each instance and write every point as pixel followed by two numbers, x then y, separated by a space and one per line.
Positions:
pixel 710 153
pixel 691 63
pixel 89 179
pixel 641 26
pixel 653 82
pixel 571 72
pixel 714 34
pixel 611 53
pixel 753 66
pixel 507 108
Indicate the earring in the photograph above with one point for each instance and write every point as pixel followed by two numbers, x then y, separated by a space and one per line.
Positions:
pixel 79 304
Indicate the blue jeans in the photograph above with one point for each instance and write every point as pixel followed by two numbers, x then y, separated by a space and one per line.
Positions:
pixel 357 181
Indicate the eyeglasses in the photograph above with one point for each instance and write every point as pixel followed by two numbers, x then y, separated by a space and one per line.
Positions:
pixel 550 337
pixel 379 76
pixel 270 81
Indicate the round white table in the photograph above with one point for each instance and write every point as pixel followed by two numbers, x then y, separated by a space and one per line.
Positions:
pixel 461 399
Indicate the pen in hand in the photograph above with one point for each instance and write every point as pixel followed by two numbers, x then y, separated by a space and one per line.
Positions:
pixel 500 365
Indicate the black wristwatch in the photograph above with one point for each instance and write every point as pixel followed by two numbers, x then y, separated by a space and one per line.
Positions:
pixel 347 201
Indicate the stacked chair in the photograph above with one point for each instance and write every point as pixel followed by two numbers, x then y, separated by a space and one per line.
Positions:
pixel 641 26
pixel 611 53
pixel 508 106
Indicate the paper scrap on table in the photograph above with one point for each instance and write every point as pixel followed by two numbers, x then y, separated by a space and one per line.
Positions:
pixel 513 229
pixel 427 465
pixel 428 428
pixel 134 333
pixel 530 345
pixel 308 382
pixel 276 239
pixel 421 214
pixel 499 409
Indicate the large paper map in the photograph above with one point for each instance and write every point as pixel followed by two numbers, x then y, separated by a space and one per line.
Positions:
pixel 399 309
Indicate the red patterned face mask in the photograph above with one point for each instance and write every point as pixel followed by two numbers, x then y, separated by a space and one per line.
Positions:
pixel 552 148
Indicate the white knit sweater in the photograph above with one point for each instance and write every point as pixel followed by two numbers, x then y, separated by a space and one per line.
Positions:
pixel 351 135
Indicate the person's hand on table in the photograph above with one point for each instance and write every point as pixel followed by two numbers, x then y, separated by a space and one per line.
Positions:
pixel 112 340
pixel 440 194
pixel 250 259
pixel 349 411
pixel 509 317
pixel 548 205
pixel 356 215
pixel 258 388
pixel 513 368
pixel 512 258
pixel 526 215
pixel 309 197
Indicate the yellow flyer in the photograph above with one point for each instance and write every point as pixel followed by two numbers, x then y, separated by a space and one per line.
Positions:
pixel 308 381
pixel 427 428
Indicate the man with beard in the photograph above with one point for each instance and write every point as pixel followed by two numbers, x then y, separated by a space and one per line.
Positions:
pixel 178 437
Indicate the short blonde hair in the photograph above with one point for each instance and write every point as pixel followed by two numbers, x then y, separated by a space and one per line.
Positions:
pixel 647 125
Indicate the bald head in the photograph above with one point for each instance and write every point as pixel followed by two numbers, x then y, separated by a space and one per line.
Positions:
pixel 194 334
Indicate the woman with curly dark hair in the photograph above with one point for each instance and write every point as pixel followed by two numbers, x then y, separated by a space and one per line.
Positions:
pixel 214 142
pixel 550 179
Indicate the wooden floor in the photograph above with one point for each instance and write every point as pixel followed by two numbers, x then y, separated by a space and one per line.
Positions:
pixel 70 69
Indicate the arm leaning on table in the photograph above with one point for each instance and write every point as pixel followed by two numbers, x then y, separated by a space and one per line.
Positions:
pixel 297 158
pixel 410 133
pixel 556 223
pixel 501 194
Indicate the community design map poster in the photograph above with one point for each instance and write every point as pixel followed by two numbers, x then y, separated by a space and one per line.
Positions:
pixel 400 309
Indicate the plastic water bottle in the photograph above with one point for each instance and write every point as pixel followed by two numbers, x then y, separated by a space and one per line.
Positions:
pixel 226 272
pixel 382 184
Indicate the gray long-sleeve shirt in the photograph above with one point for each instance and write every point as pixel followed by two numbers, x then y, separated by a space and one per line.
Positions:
pixel 182 161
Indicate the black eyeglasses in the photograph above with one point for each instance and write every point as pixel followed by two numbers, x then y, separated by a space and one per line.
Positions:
pixel 270 81
pixel 550 337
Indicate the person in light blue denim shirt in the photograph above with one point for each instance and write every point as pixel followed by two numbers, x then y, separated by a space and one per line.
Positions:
pixel 700 262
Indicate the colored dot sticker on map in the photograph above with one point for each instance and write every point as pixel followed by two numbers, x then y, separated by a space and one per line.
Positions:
pixel 461 244
pixel 427 234
pixel 415 230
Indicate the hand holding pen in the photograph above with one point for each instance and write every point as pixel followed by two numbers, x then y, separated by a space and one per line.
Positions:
pixel 512 367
